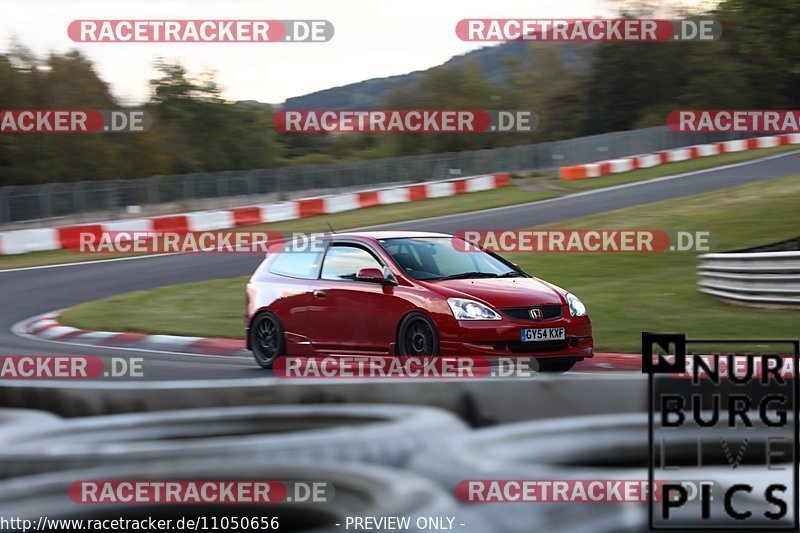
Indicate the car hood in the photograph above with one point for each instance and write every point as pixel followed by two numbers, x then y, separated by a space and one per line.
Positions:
pixel 506 292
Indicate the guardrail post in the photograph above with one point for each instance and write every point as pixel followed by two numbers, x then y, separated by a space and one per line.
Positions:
pixel 45 201
pixel 112 196
pixel 188 186
pixel 5 204
pixel 252 182
pixel 152 192
pixel 283 175
pixel 79 197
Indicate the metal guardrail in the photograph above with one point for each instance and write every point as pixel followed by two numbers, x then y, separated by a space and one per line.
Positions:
pixel 758 279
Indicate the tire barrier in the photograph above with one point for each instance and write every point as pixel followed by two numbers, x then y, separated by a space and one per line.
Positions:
pixel 381 434
pixel 24 417
pixel 756 279
pixel 358 490
pixel 613 447
pixel 14 421
pixel 480 402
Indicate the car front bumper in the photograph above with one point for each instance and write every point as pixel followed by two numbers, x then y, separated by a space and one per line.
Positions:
pixel 502 338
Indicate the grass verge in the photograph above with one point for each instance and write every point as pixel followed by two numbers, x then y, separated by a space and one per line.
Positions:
pixel 625 293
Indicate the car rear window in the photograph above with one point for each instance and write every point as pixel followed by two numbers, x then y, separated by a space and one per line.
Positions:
pixel 304 265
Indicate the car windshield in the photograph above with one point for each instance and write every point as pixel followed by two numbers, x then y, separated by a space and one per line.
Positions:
pixel 440 258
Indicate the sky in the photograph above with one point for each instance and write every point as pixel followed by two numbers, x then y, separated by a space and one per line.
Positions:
pixel 372 39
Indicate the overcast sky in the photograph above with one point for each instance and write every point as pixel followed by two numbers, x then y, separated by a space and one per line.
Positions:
pixel 373 38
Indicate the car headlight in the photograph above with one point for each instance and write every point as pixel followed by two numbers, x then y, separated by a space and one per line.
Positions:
pixel 464 309
pixel 576 307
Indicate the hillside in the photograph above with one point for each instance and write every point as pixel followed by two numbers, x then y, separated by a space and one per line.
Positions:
pixel 370 94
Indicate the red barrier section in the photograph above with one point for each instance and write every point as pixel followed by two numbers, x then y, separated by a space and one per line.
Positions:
pixel 368 199
pixel 70 236
pixel 310 207
pixel 176 223
pixel 460 187
pixel 417 192
pixel 502 180
pixel 246 216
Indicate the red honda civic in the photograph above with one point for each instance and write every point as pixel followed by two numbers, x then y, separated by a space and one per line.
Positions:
pixel 409 294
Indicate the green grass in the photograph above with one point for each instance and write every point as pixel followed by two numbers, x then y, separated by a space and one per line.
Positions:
pixel 670 169
pixel 625 293
pixel 348 219
pixel 203 309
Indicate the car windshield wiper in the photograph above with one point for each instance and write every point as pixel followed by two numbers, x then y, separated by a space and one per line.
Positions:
pixel 511 274
pixel 467 275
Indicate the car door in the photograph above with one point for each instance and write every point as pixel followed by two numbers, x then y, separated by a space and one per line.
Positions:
pixel 348 315
pixel 286 287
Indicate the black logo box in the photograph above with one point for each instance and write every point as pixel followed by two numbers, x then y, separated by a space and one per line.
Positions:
pixel 675 344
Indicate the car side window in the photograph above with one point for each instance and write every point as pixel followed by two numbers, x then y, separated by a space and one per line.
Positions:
pixel 303 265
pixel 342 262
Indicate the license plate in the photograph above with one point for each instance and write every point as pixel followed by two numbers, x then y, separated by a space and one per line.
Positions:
pixel 543 334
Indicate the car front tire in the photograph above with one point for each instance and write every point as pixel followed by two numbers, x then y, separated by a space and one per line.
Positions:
pixel 417 336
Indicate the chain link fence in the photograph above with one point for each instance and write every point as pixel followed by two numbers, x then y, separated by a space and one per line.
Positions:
pixel 95 200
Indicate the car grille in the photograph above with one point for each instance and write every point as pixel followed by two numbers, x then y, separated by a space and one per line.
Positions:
pixel 536 347
pixel 523 313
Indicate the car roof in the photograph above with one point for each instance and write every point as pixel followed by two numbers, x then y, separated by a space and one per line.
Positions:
pixel 376 235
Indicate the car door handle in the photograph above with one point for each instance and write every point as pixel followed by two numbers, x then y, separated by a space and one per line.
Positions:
pixel 319 294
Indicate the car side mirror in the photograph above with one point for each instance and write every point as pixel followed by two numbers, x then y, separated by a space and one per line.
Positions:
pixel 374 275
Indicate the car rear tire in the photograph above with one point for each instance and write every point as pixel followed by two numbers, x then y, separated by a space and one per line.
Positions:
pixel 417 336
pixel 267 339
pixel 558 366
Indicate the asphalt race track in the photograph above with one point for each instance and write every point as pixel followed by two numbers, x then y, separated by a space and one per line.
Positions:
pixel 33 291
